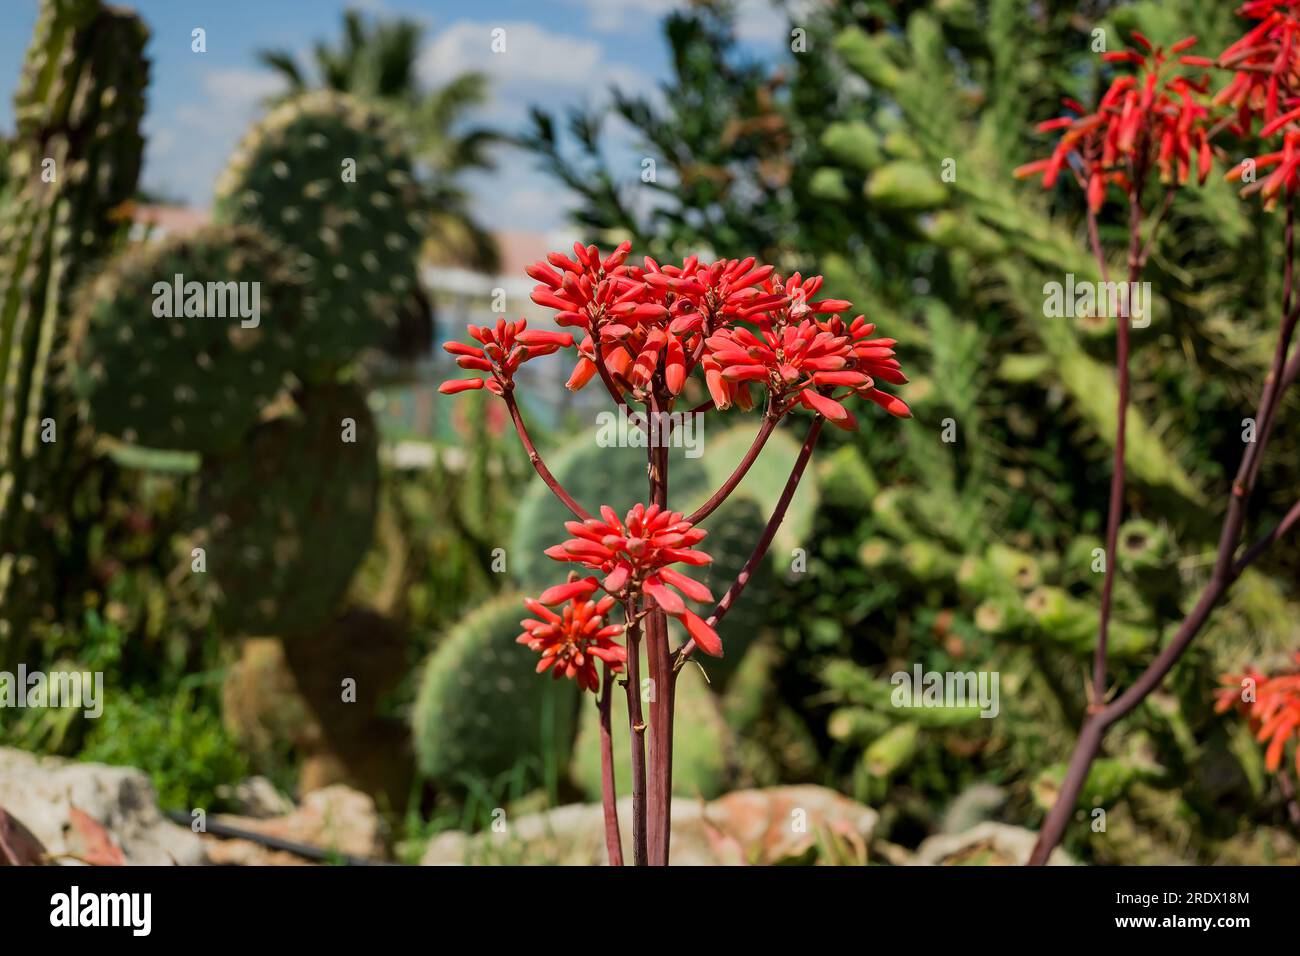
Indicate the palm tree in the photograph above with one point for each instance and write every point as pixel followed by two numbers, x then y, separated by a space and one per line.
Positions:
pixel 377 61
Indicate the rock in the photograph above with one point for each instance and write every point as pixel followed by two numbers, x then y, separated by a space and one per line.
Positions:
pixel 337 819
pixel 987 844
pixel 40 792
pixel 748 826
pixel 257 797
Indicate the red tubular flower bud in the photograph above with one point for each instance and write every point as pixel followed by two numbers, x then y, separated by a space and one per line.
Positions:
pixel 689 586
pixel 582 374
pixel 563 592
pixel 460 348
pixel 744 373
pixel 542 337
pixel 819 403
pixel 705 637
pixel 549 300
pixel 544 274
pixel 675 367
pixel 460 385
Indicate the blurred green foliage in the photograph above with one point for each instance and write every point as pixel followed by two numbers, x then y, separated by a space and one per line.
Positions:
pixel 961 541
pixel 879 152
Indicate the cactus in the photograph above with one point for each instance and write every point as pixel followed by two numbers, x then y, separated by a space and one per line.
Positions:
pixel 905 186
pixel 854 144
pixel 190 381
pixel 288 516
pixel 1109 779
pixel 323 174
pixel 461 729
pixel 74 162
pixel 1072 623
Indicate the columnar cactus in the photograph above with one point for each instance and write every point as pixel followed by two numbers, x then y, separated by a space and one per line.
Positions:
pixel 74 163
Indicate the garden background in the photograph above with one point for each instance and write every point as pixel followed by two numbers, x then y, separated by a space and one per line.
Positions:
pixel 872 142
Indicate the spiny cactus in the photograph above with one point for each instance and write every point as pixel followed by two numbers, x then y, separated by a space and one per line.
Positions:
pixel 463 729
pixel 287 517
pixel 325 175
pixel 195 373
pixel 73 164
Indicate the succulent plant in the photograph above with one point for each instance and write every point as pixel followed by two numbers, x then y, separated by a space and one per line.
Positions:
pixel 287 517
pixel 233 323
pixel 481 711
pixel 325 175
pixel 73 163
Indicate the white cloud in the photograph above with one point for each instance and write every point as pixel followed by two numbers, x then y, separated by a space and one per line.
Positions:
pixel 190 146
pixel 533 56
pixel 757 21
pixel 537 66
pixel 613 16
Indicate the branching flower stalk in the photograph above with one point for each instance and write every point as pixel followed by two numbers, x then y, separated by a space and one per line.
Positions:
pixel 1147 121
pixel 745 336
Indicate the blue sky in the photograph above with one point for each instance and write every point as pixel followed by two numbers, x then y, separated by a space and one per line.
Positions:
pixel 558 52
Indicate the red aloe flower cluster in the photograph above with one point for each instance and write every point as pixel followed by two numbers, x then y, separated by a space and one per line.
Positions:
pixel 1150 119
pixel 1265 86
pixel 503 350
pixel 1265 69
pixel 679 317
pixel 809 360
pixel 571 641
pixel 1274 711
pixel 650 333
pixel 634 555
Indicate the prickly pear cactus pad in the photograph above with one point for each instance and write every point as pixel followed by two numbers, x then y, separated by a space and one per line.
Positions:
pixel 325 175
pixel 187 363
pixel 288 515
pixel 481 711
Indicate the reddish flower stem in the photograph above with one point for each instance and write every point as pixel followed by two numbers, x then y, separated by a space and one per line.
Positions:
pixel 770 419
pixel 760 550
pixel 1094 239
pixel 1115 512
pixel 661 682
pixel 608 790
pixel 636 733
pixel 602 370
pixel 1227 568
pixel 535 457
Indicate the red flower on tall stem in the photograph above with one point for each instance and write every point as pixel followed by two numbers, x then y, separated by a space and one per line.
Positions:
pixel 1266 65
pixel 1144 121
pixel 634 555
pixel 504 348
pixel 808 361
pixel 571 641
pixel 1274 713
